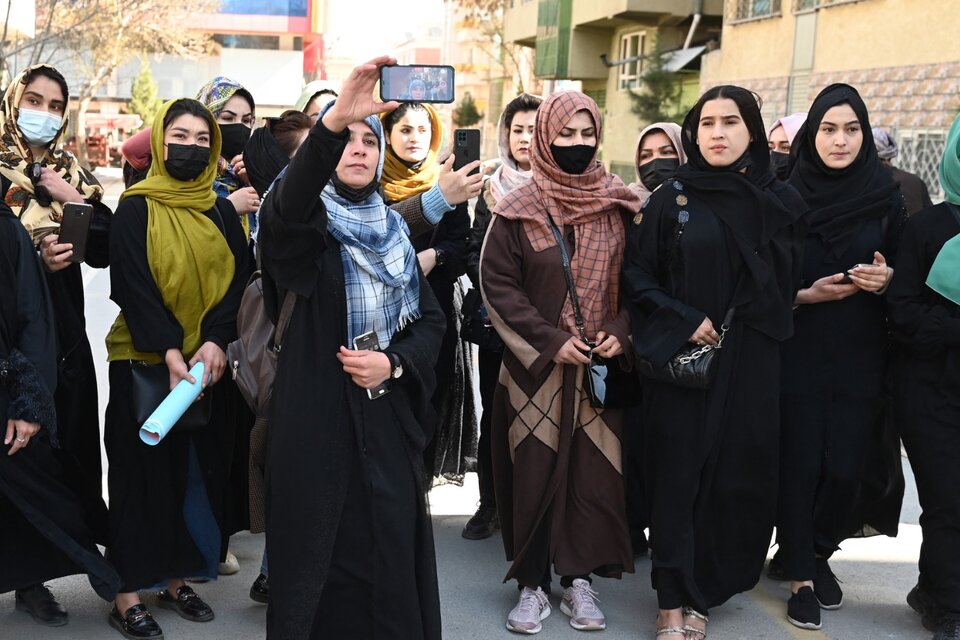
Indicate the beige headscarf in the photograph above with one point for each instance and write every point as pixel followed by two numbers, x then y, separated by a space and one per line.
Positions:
pixel 16 157
pixel 672 131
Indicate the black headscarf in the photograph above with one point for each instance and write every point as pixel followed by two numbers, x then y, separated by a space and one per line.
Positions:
pixel 754 207
pixel 263 159
pixel 840 200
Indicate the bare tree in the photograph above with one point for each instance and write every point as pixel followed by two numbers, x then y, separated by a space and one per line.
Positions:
pixel 101 35
pixel 487 17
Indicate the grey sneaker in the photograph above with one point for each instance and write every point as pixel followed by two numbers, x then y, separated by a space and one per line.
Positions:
pixel 530 610
pixel 580 603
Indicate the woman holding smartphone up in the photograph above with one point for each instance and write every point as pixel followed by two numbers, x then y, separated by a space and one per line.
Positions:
pixel 355 559
pixel 412 172
pixel 37 177
pixel 834 368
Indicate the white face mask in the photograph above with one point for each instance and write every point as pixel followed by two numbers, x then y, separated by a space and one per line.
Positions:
pixel 38 127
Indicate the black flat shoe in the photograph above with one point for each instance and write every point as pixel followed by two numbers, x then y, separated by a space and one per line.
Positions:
pixel 40 603
pixel 924 604
pixel 187 603
pixel 483 524
pixel 260 591
pixel 136 623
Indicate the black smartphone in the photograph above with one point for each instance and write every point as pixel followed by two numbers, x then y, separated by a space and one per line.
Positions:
pixel 466 148
pixel 369 342
pixel 75 227
pixel 417 83
pixel 846 275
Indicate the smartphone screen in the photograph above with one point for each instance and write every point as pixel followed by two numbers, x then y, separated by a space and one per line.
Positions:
pixel 369 342
pixel 74 228
pixel 417 83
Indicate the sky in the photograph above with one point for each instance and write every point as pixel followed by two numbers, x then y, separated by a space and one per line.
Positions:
pixel 364 29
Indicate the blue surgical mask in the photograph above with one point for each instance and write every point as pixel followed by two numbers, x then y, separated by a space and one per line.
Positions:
pixel 38 127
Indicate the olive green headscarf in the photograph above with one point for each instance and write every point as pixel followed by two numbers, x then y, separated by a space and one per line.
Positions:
pixel 189 257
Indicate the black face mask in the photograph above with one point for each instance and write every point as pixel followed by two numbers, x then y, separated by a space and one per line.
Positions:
pixel 233 139
pixel 186 161
pixel 779 163
pixel 575 159
pixel 656 172
pixel 353 194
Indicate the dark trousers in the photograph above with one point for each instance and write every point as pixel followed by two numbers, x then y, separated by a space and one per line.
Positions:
pixel 822 450
pixel 929 420
pixel 489 364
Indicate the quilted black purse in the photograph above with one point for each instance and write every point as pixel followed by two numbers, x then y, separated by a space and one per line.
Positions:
pixel 692 367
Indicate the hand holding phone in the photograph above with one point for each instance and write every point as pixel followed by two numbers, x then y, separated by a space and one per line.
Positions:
pixel 369 342
pixel 75 228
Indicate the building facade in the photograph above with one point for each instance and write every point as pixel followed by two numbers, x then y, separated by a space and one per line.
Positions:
pixel 605 45
pixel 902 55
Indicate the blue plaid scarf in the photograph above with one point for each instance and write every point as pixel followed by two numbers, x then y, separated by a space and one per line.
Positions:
pixel 379 265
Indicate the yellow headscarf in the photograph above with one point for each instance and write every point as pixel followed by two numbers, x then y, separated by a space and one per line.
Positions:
pixel 16 156
pixel 400 181
pixel 189 257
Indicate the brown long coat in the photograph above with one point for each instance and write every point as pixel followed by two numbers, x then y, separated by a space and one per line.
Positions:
pixel 554 456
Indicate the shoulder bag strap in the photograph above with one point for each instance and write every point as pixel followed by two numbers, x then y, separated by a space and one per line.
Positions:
pixel 283 321
pixel 568 274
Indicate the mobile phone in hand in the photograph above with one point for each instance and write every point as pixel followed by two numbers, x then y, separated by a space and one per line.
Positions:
pixel 369 342
pixel 75 227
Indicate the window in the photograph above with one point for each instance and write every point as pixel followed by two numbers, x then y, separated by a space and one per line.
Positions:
pixel 631 51
pixel 238 41
pixel 750 9
pixel 800 6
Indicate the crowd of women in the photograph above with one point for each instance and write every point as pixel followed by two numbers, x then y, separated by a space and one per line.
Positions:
pixel 735 344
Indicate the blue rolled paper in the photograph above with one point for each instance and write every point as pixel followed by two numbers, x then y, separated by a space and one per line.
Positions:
pixel 164 417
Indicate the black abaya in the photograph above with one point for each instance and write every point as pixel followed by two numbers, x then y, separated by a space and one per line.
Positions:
pixel 44 531
pixel 355 554
pixel 927 401
pixel 148 484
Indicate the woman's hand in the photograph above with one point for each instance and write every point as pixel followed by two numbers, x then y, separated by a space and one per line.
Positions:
pixel 55 256
pixel 457 186
pixel 19 433
pixel 368 369
pixel 608 345
pixel 177 367
pixel 245 200
pixel 705 334
pixel 214 362
pixel 60 190
pixel 826 289
pixel 428 260
pixel 872 277
pixel 573 351
pixel 356 100
pixel 240 168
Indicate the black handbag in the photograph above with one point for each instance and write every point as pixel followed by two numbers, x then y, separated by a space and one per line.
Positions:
pixel 692 367
pixel 473 327
pixel 151 385
pixel 605 383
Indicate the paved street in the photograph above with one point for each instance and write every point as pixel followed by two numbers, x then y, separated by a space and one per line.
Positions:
pixel 876 575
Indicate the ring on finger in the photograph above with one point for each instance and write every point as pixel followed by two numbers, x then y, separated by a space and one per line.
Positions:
pixel 21 439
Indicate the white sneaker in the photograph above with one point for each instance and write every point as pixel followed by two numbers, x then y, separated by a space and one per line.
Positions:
pixel 530 610
pixel 230 565
pixel 579 602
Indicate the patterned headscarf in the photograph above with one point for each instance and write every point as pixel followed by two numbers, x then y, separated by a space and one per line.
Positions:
pixel 218 92
pixel 16 157
pixel 593 203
